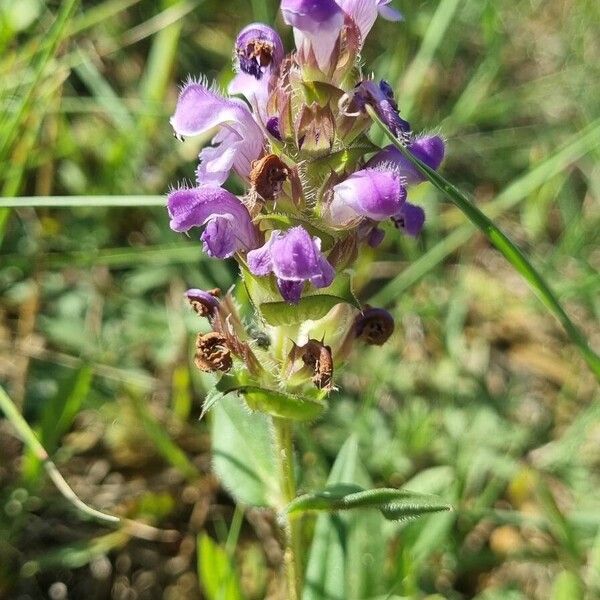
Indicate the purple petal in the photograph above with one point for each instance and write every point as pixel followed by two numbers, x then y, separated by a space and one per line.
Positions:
pixel 295 255
pixel 259 260
pixel 200 109
pixel 365 12
pixel 308 14
pixel 326 276
pixel 291 291
pixel 197 295
pixel 389 13
pixel 240 142
pixel 272 126
pixel 411 218
pixel 253 89
pixel 219 237
pixel 375 237
pixel 376 194
pixel 428 149
pixel 229 226
pixel 317 26
pixel 294 258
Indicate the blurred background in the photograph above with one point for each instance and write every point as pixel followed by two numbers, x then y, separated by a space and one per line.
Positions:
pixel 479 396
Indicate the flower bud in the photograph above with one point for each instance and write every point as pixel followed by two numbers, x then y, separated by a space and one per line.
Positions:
pixel 381 99
pixel 374 326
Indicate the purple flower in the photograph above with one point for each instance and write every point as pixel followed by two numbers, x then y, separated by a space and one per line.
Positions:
pixel 428 149
pixel 238 143
pixel 410 218
pixel 258 54
pixel 372 193
pixel 317 26
pixel 381 98
pixel 204 303
pixel 294 258
pixel 227 222
pixel 272 126
pixel 364 13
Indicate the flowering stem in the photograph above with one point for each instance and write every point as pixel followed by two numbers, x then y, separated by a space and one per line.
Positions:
pixel 285 460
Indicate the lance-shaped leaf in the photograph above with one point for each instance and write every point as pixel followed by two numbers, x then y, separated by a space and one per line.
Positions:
pixel 395 505
pixel 498 238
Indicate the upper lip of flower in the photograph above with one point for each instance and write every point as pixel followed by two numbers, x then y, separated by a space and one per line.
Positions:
pixel 240 139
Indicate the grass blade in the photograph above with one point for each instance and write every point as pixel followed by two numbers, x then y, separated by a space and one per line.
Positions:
pixel 510 251
pixel 74 201
pixel 29 438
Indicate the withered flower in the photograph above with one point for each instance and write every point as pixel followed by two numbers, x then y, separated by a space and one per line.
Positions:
pixel 374 325
pixel 317 357
pixel 212 353
pixel 268 175
pixel 204 303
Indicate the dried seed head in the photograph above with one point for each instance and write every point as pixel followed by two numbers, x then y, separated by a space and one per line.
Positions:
pixel 204 303
pixel 317 357
pixel 212 353
pixel 268 175
pixel 374 325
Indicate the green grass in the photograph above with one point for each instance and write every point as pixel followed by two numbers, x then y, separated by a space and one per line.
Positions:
pixel 480 397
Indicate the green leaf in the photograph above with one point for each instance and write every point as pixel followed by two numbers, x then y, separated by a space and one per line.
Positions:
pixel 216 572
pixel 316 303
pixel 163 442
pixel 320 92
pixel 274 402
pixel 211 399
pixel 58 416
pixel 567 586
pixel 510 251
pixel 341 160
pixel 326 569
pixel 243 456
pixel 395 505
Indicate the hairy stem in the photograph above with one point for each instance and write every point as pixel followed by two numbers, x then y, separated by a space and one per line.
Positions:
pixel 285 461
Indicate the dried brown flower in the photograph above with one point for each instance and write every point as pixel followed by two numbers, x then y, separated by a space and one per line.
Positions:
pixel 317 357
pixel 268 175
pixel 212 353
pixel 374 325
